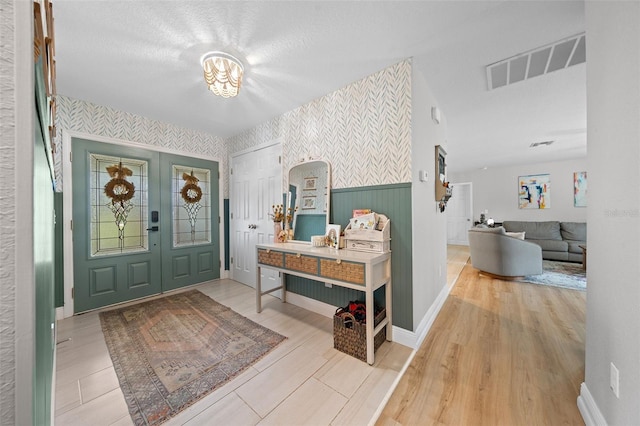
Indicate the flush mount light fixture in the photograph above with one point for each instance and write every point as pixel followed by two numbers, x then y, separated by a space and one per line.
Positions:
pixel 222 73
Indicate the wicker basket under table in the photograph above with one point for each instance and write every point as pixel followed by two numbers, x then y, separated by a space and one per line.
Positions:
pixel 353 340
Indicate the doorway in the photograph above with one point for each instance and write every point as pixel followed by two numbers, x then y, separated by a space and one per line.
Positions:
pixel 460 214
pixel 144 222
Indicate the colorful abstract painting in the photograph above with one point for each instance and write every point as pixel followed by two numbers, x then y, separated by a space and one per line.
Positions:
pixel 580 189
pixel 534 192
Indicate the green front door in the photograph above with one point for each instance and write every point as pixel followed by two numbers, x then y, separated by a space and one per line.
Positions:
pixel 143 223
pixel 189 220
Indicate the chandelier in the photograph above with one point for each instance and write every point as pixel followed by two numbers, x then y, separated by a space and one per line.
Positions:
pixel 223 73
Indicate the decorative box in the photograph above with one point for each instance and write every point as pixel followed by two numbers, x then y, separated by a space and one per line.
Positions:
pixel 381 233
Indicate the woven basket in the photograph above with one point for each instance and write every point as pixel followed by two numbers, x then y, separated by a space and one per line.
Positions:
pixel 352 339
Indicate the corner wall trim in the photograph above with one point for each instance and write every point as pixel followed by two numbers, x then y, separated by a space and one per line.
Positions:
pixel 589 409
pixel 430 316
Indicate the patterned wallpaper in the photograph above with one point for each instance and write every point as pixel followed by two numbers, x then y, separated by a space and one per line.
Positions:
pixel 363 130
pixel 82 116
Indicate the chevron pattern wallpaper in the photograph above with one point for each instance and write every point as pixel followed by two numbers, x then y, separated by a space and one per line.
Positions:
pixel 363 129
pixel 81 116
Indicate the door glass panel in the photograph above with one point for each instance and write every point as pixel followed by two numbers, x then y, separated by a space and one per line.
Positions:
pixel 119 195
pixel 191 206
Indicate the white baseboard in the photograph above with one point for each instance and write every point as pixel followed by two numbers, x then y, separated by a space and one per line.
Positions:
pixel 588 409
pixel 60 313
pixel 414 339
pixel 404 337
pixel 312 305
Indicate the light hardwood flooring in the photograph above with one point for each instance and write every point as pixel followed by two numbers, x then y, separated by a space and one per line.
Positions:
pixel 499 353
pixel 302 381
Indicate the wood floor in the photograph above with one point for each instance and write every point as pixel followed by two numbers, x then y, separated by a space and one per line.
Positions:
pixel 499 353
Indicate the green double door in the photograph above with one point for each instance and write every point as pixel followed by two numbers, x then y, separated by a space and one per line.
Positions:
pixel 144 223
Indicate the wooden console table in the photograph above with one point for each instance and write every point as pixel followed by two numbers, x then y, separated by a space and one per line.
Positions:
pixel 361 271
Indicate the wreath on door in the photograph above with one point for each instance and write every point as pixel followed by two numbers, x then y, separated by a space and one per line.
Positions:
pixel 191 192
pixel 119 189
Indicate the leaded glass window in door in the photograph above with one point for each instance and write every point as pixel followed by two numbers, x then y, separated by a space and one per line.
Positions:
pixel 191 206
pixel 119 205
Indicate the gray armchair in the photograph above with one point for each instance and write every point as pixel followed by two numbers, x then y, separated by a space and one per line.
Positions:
pixel 495 252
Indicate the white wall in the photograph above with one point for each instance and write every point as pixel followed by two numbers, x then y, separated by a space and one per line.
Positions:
pixel 496 189
pixel 613 129
pixel 17 283
pixel 429 225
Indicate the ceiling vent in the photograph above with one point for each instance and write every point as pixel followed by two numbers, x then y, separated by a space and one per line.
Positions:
pixel 543 143
pixel 543 60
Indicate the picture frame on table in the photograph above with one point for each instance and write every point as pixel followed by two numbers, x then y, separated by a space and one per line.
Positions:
pixel 332 236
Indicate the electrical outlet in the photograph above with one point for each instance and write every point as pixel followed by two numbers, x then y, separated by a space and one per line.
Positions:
pixel 614 381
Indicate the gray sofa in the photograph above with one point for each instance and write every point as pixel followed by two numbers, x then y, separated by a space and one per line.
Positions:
pixel 493 251
pixel 558 240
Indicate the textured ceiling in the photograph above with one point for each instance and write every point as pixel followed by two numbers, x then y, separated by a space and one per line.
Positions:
pixel 143 57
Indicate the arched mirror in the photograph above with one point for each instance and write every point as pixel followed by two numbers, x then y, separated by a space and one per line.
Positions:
pixel 308 198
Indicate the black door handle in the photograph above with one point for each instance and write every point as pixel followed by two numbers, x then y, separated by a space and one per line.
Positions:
pixel 153 228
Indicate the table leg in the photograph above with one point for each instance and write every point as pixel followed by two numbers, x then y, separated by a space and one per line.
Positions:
pixel 387 293
pixel 258 291
pixel 284 287
pixel 370 313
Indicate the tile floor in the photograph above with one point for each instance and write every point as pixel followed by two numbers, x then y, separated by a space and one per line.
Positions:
pixel 302 381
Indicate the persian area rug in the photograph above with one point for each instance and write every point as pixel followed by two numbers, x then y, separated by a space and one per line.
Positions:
pixel 560 274
pixel 170 352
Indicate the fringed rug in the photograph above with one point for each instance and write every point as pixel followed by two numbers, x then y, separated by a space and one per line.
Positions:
pixel 560 274
pixel 170 352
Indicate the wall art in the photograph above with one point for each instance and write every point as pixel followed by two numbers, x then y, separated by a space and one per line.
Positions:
pixel 580 189
pixel 309 203
pixel 534 192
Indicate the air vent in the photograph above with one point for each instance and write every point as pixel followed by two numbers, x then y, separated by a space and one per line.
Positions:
pixel 543 143
pixel 553 57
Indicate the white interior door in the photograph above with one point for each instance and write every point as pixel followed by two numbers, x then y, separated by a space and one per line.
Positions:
pixel 459 214
pixel 256 185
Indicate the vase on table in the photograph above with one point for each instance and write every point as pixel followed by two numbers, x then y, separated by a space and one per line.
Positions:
pixel 277 230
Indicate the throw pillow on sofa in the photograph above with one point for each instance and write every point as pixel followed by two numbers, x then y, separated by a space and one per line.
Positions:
pixel 518 235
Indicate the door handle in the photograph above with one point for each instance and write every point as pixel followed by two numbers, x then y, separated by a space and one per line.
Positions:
pixel 253 226
pixel 153 228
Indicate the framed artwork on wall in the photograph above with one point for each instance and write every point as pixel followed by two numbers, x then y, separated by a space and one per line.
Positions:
pixel 534 192
pixel 309 203
pixel 580 189
pixel 310 183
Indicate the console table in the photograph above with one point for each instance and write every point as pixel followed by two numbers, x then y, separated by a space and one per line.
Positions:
pixel 361 271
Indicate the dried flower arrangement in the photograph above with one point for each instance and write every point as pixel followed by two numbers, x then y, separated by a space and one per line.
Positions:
pixel 277 215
